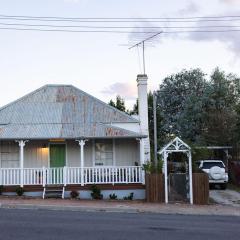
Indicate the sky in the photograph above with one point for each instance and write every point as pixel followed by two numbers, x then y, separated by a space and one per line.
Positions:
pixel 101 63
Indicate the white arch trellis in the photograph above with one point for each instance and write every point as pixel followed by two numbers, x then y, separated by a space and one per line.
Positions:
pixel 177 145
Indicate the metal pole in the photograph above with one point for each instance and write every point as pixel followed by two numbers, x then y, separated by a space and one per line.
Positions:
pixel 155 128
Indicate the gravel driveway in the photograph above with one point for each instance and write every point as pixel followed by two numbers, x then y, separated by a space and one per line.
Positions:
pixel 226 197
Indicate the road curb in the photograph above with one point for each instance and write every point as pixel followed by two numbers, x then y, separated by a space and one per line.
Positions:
pixel 118 209
pixel 67 208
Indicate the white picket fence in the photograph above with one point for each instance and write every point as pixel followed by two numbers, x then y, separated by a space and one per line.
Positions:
pixel 71 175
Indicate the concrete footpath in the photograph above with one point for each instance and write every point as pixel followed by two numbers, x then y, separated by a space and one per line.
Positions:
pixel 116 206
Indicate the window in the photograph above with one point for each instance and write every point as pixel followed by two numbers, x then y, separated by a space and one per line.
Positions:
pixel 208 165
pixel 103 153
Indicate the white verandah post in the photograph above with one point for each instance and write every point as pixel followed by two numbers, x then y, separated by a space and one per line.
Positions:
pixel 190 177
pixel 165 177
pixel 21 144
pixel 142 157
pixel 81 144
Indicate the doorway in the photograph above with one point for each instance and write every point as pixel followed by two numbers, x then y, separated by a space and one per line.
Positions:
pixel 57 155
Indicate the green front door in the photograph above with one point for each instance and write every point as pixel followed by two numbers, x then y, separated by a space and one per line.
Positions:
pixel 57 155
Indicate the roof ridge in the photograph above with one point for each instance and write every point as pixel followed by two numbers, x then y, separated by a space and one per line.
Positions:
pixel 129 117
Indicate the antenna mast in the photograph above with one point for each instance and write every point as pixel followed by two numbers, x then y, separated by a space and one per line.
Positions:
pixel 143 48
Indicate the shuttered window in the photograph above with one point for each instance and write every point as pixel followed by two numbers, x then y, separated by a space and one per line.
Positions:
pixel 103 153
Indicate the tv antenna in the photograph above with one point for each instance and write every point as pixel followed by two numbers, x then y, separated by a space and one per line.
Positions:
pixel 143 48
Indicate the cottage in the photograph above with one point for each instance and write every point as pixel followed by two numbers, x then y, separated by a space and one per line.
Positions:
pixel 61 135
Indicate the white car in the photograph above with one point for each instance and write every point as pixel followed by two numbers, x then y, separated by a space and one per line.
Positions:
pixel 216 171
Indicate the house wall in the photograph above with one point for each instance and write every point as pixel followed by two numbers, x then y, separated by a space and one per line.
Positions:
pixel 125 153
pixel 134 127
pixel 73 154
pixel 35 155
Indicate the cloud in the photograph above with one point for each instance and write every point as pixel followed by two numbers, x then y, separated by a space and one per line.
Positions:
pixel 230 2
pixel 147 30
pixel 230 39
pixel 126 90
pixel 191 8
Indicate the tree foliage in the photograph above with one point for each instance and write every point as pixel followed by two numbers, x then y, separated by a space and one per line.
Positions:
pixel 181 99
pixel 199 110
pixel 222 97
pixel 119 103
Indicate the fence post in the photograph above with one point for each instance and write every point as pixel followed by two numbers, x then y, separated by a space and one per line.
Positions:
pixel 64 176
pixel 143 176
pixel 43 176
pixel 82 176
pixel 22 177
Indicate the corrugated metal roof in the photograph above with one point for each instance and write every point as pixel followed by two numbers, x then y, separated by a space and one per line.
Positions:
pixel 61 111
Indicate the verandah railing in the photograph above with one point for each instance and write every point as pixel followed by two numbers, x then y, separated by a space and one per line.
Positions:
pixel 71 175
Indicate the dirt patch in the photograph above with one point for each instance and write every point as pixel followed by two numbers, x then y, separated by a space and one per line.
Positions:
pixel 226 197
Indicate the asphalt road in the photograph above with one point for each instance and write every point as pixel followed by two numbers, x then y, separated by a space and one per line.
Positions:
pixel 67 225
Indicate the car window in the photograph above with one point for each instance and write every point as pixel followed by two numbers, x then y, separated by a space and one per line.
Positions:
pixel 208 165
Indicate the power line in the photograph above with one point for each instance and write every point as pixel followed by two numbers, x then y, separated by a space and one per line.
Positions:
pixel 88 20
pixel 105 31
pixel 119 18
pixel 117 27
pixel 68 30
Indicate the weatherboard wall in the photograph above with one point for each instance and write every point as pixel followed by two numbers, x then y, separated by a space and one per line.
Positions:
pixel 36 153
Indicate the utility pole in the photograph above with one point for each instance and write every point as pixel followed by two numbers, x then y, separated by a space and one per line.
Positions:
pixel 143 48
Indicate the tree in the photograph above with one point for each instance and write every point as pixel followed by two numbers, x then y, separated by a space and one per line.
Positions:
pixel 150 121
pixel 181 100
pixel 151 124
pixel 221 109
pixel 135 108
pixel 112 103
pixel 119 104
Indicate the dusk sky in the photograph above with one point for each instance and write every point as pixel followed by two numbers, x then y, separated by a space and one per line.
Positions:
pixel 101 63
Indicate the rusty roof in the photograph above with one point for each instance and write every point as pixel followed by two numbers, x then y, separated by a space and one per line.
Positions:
pixel 61 111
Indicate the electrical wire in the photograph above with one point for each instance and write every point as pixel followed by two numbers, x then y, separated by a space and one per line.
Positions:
pixel 117 27
pixel 105 31
pixel 118 20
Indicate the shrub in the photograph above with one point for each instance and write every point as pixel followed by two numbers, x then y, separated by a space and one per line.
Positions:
pixel 149 167
pixel 74 194
pixel 129 197
pixel 19 191
pixel 113 196
pixel 1 189
pixel 96 192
